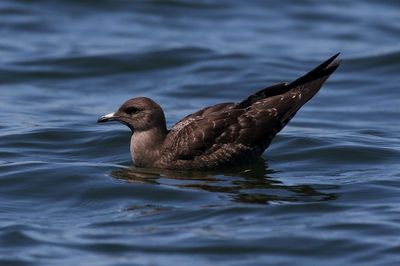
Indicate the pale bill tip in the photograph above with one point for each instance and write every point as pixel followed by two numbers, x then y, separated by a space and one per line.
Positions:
pixel 109 115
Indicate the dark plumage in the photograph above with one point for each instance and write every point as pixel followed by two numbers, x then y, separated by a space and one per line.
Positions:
pixel 222 135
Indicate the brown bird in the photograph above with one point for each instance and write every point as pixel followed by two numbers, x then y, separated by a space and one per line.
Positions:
pixel 223 135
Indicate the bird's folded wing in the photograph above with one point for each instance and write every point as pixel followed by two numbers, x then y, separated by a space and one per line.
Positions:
pixel 196 134
pixel 229 127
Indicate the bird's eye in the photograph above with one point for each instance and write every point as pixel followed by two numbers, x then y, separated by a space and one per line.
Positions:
pixel 132 110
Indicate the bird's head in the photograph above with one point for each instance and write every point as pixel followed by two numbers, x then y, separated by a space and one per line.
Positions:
pixel 139 114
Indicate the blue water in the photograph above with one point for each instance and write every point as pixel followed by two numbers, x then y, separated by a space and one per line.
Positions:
pixel 326 192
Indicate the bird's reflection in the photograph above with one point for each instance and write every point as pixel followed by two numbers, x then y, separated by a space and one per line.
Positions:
pixel 252 184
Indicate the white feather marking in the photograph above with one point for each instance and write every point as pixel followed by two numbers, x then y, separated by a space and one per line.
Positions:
pixel 183 124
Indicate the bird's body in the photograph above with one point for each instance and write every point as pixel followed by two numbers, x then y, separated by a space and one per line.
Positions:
pixel 223 135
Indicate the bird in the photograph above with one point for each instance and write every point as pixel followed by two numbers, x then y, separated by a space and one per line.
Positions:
pixel 219 136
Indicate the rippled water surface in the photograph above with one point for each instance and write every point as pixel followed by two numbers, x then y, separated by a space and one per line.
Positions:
pixel 325 193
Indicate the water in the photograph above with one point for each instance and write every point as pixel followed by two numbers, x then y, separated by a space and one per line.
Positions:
pixel 325 193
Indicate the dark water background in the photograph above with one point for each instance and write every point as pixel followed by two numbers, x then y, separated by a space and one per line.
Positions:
pixel 327 191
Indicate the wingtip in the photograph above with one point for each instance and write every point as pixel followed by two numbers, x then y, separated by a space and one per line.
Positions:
pixel 334 62
pixel 334 58
pixel 330 60
pixel 324 69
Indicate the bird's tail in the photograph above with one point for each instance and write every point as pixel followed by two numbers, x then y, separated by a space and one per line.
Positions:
pixel 305 87
pixel 309 84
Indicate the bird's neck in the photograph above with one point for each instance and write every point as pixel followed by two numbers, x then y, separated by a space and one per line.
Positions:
pixel 146 146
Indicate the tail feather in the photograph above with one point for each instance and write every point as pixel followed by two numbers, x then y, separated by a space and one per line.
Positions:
pixel 312 81
pixel 324 69
pixel 305 87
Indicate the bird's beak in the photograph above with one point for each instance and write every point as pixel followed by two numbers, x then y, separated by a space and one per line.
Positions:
pixel 106 118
